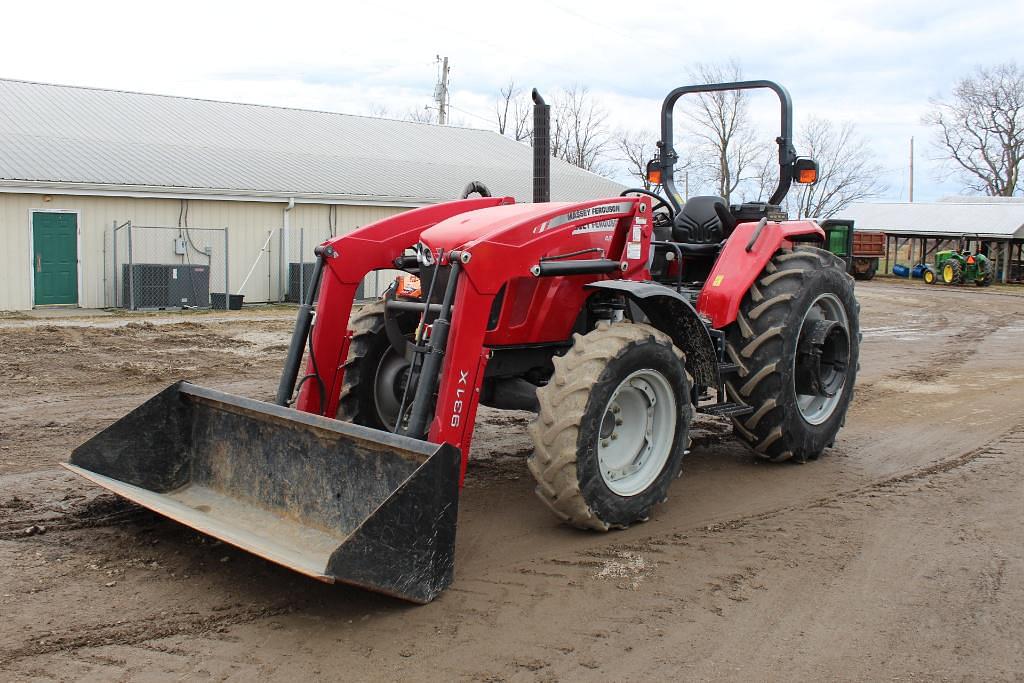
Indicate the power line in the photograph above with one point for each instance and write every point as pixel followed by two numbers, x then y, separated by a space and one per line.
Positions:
pixel 469 113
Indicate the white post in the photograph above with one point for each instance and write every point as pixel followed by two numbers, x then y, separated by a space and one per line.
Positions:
pixel 285 250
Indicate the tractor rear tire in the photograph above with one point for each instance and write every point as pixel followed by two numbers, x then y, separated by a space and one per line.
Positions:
pixel 987 275
pixel 770 340
pixel 595 467
pixel 360 400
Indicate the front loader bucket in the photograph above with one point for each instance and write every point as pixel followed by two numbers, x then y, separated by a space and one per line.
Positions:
pixel 332 500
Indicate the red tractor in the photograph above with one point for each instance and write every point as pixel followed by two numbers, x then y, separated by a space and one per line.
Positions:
pixel 614 319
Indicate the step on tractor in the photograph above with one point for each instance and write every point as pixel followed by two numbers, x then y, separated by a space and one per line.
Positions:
pixel 960 266
pixel 614 319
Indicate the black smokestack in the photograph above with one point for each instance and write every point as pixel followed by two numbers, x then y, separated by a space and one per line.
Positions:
pixel 541 149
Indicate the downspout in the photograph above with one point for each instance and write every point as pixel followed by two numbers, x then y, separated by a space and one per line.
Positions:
pixel 285 251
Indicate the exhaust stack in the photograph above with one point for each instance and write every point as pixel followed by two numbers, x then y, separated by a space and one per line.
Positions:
pixel 541 149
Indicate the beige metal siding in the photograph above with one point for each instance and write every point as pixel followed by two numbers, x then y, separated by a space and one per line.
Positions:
pixel 248 224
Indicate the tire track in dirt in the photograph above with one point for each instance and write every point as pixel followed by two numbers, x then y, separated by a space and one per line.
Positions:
pixel 136 631
pixel 718 590
pixel 1010 442
pixel 103 510
pixel 934 366
pixel 957 350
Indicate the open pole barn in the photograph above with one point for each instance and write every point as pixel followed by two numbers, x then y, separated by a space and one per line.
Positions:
pixel 915 231
pixel 112 198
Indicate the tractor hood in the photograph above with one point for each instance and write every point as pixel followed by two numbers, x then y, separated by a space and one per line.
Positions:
pixel 465 230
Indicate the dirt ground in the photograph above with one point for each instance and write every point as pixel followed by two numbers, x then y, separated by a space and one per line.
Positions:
pixel 898 555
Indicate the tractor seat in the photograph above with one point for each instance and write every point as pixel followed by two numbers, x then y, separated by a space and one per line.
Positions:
pixel 702 225
pixel 700 249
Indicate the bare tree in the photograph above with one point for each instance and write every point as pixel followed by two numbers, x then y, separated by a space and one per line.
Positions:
pixel 416 114
pixel 512 112
pixel 848 170
pixel 726 150
pixel 980 133
pixel 378 110
pixel 636 149
pixel 579 133
pixel 765 174
pixel 424 115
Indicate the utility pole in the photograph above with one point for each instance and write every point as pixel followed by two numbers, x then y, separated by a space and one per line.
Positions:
pixel 441 92
pixel 911 169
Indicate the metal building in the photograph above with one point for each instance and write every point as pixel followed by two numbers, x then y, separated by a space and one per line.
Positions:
pixel 195 184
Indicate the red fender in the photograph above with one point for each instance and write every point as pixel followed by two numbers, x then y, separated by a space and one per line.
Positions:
pixel 736 268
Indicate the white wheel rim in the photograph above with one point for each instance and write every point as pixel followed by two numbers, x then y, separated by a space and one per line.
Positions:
pixel 636 433
pixel 816 409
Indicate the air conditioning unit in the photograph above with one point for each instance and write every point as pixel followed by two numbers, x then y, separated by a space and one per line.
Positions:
pixel 165 285
pixel 296 288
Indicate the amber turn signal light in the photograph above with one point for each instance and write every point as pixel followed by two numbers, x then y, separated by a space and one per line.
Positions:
pixel 807 176
pixel 654 171
pixel 805 170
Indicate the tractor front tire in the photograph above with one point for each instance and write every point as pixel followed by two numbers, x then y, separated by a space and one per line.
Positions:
pixel 929 275
pixel 802 304
pixel 612 427
pixel 369 392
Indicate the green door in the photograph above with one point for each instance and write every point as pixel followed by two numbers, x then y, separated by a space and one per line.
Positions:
pixel 55 258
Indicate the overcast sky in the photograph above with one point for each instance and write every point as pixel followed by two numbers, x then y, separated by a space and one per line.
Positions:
pixel 873 62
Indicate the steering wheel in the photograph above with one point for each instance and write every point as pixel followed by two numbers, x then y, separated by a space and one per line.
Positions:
pixel 659 201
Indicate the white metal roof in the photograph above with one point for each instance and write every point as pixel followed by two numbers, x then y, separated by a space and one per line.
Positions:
pixel 960 199
pixel 1000 220
pixel 92 140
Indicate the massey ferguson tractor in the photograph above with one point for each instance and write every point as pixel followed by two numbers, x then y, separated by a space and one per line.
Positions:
pixel 615 320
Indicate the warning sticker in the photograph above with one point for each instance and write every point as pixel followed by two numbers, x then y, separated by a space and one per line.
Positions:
pixel 718 280
pixel 633 250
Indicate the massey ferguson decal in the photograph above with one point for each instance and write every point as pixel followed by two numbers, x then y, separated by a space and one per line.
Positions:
pixel 589 212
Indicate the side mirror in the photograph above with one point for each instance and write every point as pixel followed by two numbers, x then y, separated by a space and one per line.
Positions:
pixel 805 171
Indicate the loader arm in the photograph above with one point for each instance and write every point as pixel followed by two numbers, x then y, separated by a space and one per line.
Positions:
pixel 374 247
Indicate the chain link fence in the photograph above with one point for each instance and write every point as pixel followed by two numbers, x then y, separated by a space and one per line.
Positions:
pixel 297 253
pixel 156 267
pixel 299 261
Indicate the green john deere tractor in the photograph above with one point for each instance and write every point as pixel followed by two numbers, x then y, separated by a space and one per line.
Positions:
pixel 960 266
